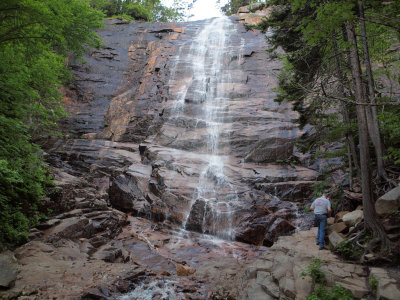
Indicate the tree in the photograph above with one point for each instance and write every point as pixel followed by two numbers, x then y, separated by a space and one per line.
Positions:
pixel 301 25
pixel 142 10
pixel 35 38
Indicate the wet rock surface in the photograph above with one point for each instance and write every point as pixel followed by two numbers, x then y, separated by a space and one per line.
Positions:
pixel 139 129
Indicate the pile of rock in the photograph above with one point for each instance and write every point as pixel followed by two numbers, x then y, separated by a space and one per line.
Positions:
pixel 344 224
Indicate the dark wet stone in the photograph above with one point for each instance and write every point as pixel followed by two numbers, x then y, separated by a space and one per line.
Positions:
pixel 196 216
pixel 278 228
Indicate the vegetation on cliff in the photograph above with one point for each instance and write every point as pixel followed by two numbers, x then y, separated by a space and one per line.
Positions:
pixel 35 38
pixel 145 10
pixel 340 71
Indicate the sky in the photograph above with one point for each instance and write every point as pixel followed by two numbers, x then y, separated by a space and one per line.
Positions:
pixel 203 9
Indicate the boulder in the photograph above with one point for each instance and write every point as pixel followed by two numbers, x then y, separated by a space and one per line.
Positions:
pixel 357 287
pixel 251 233
pixel 8 267
pixel 387 286
pixel 196 216
pixel 389 202
pixel 71 228
pixel 335 238
pixel 287 287
pixel 257 292
pixel 126 193
pixel 278 228
pixel 339 216
pixel 337 227
pixel 184 270
pixel 330 221
pixel 269 286
pixel 244 9
pixel 353 217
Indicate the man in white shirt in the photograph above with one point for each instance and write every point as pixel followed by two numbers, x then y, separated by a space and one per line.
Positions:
pixel 322 208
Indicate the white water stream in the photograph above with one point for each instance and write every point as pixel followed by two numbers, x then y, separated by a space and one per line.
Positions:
pixel 210 55
pixel 201 84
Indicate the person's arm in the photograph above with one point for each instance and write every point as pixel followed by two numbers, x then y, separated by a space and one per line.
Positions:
pixel 312 207
pixel 329 209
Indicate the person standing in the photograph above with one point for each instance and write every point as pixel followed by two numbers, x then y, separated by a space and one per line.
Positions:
pixel 322 209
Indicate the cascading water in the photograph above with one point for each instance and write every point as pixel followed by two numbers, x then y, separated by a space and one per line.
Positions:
pixel 211 55
pixel 207 86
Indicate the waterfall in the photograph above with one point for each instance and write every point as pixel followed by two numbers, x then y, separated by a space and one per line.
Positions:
pixel 206 86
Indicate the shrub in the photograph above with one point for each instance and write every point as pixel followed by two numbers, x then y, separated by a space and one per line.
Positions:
pixel 337 292
pixel 138 12
pixel 313 270
pixel 347 250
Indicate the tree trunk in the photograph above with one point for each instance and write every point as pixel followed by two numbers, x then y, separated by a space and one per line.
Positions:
pixel 372 115
pixel 350 168
pixel 371 220
pixel 345 113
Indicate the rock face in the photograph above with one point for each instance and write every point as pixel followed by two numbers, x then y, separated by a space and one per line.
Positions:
pixel 177 123
pixel 253 14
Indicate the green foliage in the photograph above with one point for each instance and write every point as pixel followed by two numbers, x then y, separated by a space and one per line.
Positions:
pixel 348 250
pixel 255 8
pixel 232 6
pixel 313 270
pixel 23 178
pixel 319 187
pixel 145 10
pixel 138 12
pixel 337 292
pixel 373 283
pixel 390 120
pixel 316 77
pixel 35 38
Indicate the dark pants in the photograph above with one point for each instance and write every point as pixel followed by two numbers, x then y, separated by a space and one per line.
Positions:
pixel 321 223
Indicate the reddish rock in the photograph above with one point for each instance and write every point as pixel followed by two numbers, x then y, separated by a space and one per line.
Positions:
pixel 184 270
pixel 196 216
pixel 252 234
pixel 278 228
